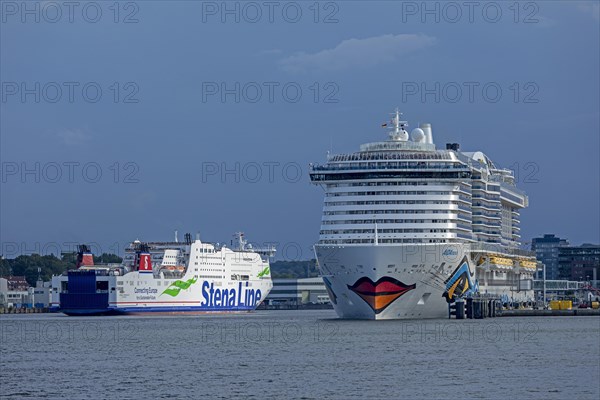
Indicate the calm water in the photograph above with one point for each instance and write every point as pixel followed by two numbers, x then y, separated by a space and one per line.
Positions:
pixel 298 354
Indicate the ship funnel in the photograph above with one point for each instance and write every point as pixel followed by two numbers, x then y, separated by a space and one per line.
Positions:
pixel 84 256
pixel 144 259
pixel 428 134
pixel 145 262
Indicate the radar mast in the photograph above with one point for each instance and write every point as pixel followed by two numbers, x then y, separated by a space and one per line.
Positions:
pixel 398 129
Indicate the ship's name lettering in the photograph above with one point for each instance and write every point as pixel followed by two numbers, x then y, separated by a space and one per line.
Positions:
pixel 243 296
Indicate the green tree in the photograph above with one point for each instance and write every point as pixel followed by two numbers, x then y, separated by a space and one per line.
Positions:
pixel 294 269
pixel 49 265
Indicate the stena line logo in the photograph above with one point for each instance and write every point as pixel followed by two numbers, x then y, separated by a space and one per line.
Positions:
pixel 227 298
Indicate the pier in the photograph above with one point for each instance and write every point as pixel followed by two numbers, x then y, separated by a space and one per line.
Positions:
pixel 485 307
pixel 475 308
pixel 551 313
pixel 23 310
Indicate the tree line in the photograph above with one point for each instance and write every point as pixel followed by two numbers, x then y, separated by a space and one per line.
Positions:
pixel 294 269
pixel 49 265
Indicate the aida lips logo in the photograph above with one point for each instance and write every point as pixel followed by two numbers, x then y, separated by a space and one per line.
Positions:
pixel 378 295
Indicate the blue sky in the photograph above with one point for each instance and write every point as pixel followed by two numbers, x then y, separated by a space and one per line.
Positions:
pixel 161 131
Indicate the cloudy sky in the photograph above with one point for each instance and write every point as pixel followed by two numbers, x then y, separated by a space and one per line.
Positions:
pixel 133 121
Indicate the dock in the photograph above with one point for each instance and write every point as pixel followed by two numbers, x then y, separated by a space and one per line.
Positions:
pixel 23 310
pixel 578 312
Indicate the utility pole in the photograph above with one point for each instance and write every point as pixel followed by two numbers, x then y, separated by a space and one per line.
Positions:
pixel 544 280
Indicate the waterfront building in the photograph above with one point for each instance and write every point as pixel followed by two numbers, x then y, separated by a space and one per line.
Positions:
pixel 14 291
pixel 579 263
pixel 41 294
pixel 295 292
pixel 546 251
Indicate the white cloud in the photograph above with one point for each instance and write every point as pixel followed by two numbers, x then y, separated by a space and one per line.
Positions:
pixel 358 53
pixel 73 137
pixel 592 9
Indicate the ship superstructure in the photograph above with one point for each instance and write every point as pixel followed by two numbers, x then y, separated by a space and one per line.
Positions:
pixel 402 222
pixel 167 277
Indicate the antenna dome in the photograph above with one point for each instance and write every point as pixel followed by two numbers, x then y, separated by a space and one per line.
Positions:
pixel 418 135
pixel 402 135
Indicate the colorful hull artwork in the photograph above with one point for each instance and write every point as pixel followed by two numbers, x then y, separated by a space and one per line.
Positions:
pixel 394 282
pixel 408 287
pixel 460 283
pixel 379 295
pixel 330 292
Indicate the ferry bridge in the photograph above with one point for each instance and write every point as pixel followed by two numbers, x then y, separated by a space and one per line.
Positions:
pixel 559 286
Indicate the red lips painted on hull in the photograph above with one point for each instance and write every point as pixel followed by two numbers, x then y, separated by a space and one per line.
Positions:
pixel 379 295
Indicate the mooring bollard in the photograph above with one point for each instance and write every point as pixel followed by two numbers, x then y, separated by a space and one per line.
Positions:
pixel 470 308
pixel 460 309
pixel 479 310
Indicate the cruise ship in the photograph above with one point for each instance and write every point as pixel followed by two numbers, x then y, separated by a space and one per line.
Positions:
pixel 167 277
pixel 408 229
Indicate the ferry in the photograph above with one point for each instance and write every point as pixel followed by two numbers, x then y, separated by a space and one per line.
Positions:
pixel 408 229
pixel 168 278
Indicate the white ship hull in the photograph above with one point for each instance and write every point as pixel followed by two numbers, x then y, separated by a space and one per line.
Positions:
pixel 408 228
pixel 398 282
pixel 174 277
pixel 138 293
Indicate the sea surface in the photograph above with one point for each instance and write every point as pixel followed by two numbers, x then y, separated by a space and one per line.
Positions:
pixel 298 354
